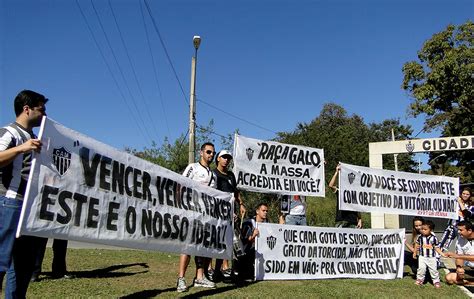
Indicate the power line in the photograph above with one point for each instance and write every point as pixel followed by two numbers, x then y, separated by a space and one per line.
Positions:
pixel 160 96
pixel 109 69
pixel 237 117
pixel 120 70
pixel 165 50
pixel 133 69
pixel 213 132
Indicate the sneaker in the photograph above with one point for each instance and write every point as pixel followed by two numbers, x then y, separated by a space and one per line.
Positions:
pixel 227 273
pixel 204 282
pixel 61 276
pixel 437 285
pixel 419 282
pixel 181 285
pixel 215 277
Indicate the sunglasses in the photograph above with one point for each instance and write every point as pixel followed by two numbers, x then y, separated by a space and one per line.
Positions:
pixel 209 152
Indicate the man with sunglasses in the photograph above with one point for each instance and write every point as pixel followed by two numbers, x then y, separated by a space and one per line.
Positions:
pixel 202 173
pixel 17 144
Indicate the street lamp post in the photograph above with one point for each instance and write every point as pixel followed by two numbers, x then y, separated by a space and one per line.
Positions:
pixel 192 103
pixel 438 161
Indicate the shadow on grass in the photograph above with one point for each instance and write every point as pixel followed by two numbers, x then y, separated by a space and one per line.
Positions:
pixel 209 292
pixel 203 293
pixel 107 272
pixel 147 293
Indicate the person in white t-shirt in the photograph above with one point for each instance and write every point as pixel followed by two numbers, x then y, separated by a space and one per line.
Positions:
pixel 464 253
pixel 200 172
pixel 296 212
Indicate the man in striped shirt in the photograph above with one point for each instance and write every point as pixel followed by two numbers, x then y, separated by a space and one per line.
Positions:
pixel 17 142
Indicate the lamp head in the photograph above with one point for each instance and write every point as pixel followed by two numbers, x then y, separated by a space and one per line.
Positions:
pixel 441 159
pixel 196 41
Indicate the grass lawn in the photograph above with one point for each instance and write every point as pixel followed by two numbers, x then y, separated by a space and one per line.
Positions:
pixel 139 274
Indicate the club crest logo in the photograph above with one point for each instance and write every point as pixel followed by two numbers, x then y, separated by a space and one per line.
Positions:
pixel 271 242
pixel 61 159
pixel 249 153
pixel 410 147
pixel 351 176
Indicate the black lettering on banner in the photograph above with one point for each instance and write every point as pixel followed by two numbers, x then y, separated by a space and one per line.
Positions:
pixel 157 224
pixel 136 183
pixel 131 220
pixel 290 250
pixel 146 222
pixel 258 181
pixel 90 170
pixel 343 238
pixel 290 235
pixel 80 199
pixel 402 183
pixel 198 232
pixel 105 172
pixel 293 267
pixel 146 180
pixel 273 266
pixel 128 188
pixel 167 226
pixel 263 169
pixel 310 267
pixel 327 238
pixel 92 213
pixel 112 216
pixel 183 231
pixel 64 219
pixel 209 235
pixel 118 174
pixel 328 268
pixel 175 234
pixel 45 214
pixel 386 266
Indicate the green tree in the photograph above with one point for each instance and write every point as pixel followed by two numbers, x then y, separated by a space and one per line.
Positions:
pixel 346 138
pixel 441 86
pixel 174 156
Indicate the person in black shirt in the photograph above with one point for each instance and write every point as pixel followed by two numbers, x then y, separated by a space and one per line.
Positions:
pixel 226 182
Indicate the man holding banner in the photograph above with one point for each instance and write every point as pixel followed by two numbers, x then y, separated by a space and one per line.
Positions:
pixel 202 173
pixel 344 218
pixel 17 143
pixel 250 233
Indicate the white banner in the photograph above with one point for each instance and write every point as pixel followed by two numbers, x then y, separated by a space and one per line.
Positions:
pixel 304 252
pixel 83 190
pixel 272 167
pixel 376 190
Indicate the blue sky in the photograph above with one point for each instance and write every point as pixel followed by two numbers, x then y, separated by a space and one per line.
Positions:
pixel 272 63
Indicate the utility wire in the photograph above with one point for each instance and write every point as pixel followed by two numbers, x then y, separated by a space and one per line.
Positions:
pixel 422 130
pixel 110 70
pixel 236 117
pixel 160 95
pixel 120 70
pixel 166 51
pixel 213 132
pixel 133 70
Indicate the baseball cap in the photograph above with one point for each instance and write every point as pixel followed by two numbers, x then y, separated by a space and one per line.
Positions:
pixel 224 153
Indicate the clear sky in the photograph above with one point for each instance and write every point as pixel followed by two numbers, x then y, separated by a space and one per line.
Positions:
pixel 271 63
